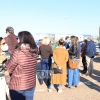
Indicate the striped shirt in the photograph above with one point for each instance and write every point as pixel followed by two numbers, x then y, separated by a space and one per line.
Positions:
pixel 22 66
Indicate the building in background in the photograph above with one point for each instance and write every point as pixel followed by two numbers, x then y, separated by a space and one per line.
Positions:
pixel 40 36
pixel 81 37
pixel 86 36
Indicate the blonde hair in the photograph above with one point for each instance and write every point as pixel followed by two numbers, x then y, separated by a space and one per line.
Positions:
pixel 45 41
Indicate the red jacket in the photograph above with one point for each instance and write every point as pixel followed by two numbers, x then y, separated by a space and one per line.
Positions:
pixel 22 66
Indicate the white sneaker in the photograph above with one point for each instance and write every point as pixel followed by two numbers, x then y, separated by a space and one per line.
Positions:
pixel 60 90
pixel 49 90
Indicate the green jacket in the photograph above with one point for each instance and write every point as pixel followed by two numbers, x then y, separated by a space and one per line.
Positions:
pixel 53 46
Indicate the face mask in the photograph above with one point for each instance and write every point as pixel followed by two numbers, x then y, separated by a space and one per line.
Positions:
pixel 4 47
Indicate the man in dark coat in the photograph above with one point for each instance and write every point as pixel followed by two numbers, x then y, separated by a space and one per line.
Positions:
pixel 90 54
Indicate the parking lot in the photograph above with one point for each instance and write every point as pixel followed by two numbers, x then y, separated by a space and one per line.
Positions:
pixel 88 89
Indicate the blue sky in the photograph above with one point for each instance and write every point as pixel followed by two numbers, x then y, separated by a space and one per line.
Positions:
pixel 51 16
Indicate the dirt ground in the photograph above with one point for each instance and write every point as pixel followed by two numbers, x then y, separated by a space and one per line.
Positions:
pixel 88 89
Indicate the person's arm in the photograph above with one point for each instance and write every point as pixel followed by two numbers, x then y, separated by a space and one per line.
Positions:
pixel 67 56
pixel 87 48
pixel 11 64
pixel 94 49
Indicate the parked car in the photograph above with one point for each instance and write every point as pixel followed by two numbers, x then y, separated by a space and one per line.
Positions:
pixel 97 48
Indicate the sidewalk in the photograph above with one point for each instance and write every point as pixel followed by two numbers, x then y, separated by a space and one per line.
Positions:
pixel 88 89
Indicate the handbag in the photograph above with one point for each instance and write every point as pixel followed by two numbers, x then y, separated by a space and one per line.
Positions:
pixel 73 64
pixel 57 70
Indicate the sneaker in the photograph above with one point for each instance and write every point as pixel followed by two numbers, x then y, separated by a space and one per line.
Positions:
pixel 69 87
pixel 49 90
pixel 60 90
pixel 76 86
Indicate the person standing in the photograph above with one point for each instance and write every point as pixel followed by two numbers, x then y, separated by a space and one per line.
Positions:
pixel 46 52
pixel 22 68
pixel 60 55
pixel 84 57
pixel 53 44
pixel 73 74
pixel 78 51
pixel 11 39
pixel 4 57
pixel 67 42
pixel 90 54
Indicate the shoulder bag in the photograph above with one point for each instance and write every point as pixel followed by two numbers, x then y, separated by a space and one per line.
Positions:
pixel 57 70
pixel 73 64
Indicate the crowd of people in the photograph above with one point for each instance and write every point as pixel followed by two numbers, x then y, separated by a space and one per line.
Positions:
pixel 60 63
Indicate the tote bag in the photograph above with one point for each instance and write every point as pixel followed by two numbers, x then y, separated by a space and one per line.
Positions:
pixel 73 64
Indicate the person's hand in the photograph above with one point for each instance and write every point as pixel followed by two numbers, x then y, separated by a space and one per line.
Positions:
pixel 6 73
pixel 7 77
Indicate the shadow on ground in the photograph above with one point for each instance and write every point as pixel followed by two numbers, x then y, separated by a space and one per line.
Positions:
pixel 90 84
pixel 95 76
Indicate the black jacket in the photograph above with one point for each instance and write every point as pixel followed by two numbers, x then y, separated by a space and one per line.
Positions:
pixel 73 51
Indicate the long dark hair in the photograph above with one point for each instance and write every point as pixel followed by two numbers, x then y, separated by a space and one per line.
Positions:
pixel 0 43
pixel 27 38
pixel 0 39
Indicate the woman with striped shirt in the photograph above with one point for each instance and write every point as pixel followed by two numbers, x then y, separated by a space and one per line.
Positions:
pixel 22 68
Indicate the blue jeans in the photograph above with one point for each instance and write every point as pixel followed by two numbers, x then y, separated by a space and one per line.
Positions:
pixel 22 94
pixel 59 86
pixel 73 77
pixel 78 68
pixel 46 66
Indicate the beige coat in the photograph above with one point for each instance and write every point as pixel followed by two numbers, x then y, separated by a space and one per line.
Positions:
pixel 60 56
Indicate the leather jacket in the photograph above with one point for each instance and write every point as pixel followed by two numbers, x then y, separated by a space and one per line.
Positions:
pixel 73 51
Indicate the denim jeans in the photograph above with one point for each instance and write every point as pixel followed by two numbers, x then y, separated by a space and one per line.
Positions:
pixel 22 94
pixel 73 77
pixel 46 66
